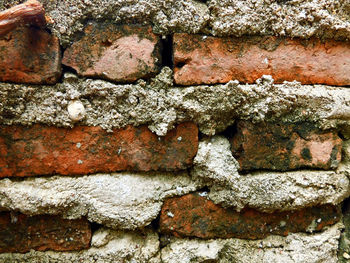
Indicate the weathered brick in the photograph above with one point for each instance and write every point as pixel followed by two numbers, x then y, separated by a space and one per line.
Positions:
pixel 122 53
pixel 195 216
pixel 21 233
pixel 30 55
pixel 208 60
pixel 42 150
pixel 29 13
pixel 285 146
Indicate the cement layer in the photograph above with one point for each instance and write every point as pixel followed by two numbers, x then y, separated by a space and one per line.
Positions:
pixel 160 105
pixel 117 246
pixel 295 18
pixel 271 191
pixel 214 162
pixel 265 191
pixel 295 248
pixel 120 201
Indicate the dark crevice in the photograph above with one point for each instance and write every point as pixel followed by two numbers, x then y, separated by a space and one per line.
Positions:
pixel 230 131
pixel 205 189
pixel 155 223
pixel 167 52
pixel 94 227
pixel 164 240
pixel 66 69
pixel 203 1
pixel 180 64
pixel 346 206
pixel 283 1
pixel 202 136
pixel 341 136
pixel 344 243
pixel 263 170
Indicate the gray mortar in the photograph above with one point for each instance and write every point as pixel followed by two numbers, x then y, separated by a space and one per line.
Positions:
pixel 266 191
pixel 214 162
pixel 294 18
pixel 160 105
pixel 271 191
pixel 116 246
pixel 295 248
pixel 120 201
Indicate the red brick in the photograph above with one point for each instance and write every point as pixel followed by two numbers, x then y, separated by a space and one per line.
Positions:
pixel 42 150
pixel 208 60
pixel 118 53
pixel 194 216
pixel 285 146
pixel 30 55
pixel 21 233
pixel 29 13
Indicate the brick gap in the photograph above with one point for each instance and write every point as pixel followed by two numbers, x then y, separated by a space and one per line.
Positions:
pixel 164 240
pixel 154 225
pixel 262 170
pixel 341 135
pixel 66 69
pixel 230 131
pixel 343 246
pixel 346 206
pixel 202 136
pixel 203 1
pixel 94 227
pixel 167 52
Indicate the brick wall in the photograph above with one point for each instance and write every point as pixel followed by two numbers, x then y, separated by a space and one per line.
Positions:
pixel 142 132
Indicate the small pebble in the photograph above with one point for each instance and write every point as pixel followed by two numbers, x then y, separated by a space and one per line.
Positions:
pixel 76 110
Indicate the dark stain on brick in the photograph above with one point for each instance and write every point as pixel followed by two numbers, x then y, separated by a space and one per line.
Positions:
pixel 306 154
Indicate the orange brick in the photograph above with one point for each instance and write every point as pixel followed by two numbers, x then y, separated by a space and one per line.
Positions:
pixel 285 146
pixel 208 60
pixel 194 216
pixel 21 233
pixel 30 55
pixel 42 150
pixel 118 53
pixel 29 13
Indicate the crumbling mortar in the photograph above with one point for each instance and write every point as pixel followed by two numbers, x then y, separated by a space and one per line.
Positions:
pixel 160 105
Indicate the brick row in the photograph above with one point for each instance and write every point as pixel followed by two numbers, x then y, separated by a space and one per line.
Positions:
pixel 193 215
pixel 125 53
pixel 43 150
pixel 21 233
pixel 285 146
pixel 209 60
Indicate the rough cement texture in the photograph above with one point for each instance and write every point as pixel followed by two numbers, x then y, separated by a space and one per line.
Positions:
pixel 107 246
pixel 270 191
pixel 214 162
pixel 69 17
pixel 120 201
pixel 295 248
pixel 160 105
pixel 295 18
pixel 264 191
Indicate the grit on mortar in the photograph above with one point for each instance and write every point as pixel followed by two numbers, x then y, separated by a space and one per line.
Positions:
pixel 160 105
pixel 293 18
